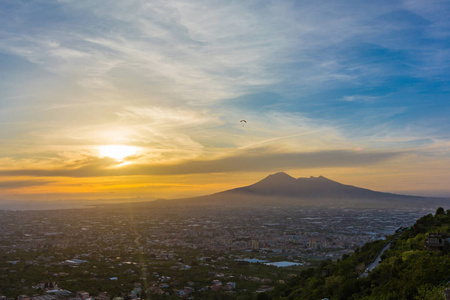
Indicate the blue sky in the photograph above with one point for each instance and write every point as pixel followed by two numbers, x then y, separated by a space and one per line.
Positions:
pixel 356 91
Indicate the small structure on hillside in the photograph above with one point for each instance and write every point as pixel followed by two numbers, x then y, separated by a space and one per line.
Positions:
pixel 437 241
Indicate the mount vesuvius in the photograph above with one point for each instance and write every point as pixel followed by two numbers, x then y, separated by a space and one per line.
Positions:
pixel 280 189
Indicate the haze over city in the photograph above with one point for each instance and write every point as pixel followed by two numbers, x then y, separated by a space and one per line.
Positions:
pixel 153 99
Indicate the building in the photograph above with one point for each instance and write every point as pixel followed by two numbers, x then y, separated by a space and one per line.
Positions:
pixel 103 296
pixel 436 241
pixel 83 295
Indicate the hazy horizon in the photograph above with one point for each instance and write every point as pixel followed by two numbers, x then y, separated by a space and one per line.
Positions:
pixel 71 203
pixel 115 100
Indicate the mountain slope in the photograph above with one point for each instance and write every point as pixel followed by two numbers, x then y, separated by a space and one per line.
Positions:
pixel 280 189
pixel 281 184
pixel 408 269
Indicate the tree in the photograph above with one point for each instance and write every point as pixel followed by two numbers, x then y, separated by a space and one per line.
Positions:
pixel 429 292
pixel 262 296
pixel 440 211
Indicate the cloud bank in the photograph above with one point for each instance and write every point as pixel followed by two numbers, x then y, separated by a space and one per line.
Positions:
pixel 256 160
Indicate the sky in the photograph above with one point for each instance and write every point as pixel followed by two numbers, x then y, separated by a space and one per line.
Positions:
pixel 112 99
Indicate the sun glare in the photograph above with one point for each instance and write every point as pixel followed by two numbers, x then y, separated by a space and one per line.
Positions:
pixel 118 152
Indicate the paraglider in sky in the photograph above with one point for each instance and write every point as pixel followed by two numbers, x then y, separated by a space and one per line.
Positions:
pixel 243 122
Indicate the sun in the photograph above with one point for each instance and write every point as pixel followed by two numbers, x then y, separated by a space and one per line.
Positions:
pixel 117 152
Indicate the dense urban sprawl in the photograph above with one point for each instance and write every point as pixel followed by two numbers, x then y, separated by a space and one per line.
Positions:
pixel 131 251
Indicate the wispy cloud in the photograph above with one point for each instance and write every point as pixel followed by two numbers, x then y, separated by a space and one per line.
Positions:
pixel 13 184
pixel 358 98
pixel 200 51
pixel 255 160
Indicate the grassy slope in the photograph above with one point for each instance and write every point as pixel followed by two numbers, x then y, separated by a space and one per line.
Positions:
pixel 407 271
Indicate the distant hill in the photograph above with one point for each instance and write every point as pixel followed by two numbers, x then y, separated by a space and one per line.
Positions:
pixel 282 189
pixel 281 184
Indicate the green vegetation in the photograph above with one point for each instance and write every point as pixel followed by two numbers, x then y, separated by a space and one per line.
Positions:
pixel 20 271
pixel 408 270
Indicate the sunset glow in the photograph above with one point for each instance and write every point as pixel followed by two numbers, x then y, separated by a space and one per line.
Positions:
pixel 118 152
pixel 108 99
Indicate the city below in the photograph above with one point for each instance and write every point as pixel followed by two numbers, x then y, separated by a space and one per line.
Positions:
pixel 120 251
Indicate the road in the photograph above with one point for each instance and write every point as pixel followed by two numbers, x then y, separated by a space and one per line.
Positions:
pixel 376 262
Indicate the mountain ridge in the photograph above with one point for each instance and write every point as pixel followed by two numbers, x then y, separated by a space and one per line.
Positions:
pixel 283 184
pixel 281 189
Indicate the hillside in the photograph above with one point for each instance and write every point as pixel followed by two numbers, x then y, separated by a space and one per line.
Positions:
pixel 281 184
pixel 280 189
pixel 408 269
